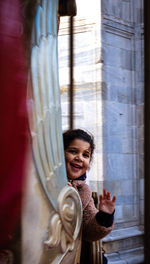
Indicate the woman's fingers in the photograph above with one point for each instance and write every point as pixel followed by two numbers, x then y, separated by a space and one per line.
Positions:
pixel 107 195
pixel 104 193
pixel 114 199
pixel 101 197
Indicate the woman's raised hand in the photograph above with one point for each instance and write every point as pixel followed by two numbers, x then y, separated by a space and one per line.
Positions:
pixel 107 204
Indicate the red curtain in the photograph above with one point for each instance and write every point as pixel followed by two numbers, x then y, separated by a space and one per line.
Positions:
pixel 13 117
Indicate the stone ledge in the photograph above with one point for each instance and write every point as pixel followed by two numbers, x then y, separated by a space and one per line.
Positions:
pixel 132 256
pixel 123 233
pixel 123 239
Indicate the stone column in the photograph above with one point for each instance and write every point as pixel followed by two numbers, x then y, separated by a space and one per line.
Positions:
pixel 123 122
pixel 147 131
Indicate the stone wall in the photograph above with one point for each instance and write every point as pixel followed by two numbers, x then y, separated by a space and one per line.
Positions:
pixel 122 75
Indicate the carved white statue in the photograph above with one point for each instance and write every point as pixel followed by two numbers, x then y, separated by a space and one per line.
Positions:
pixel 46 132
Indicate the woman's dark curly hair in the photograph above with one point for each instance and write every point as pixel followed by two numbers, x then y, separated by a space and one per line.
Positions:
pixel 72 134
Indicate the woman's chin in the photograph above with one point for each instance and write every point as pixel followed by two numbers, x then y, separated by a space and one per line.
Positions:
pixel 74 176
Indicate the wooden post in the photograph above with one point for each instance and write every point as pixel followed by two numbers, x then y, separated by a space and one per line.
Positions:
pixel 71 75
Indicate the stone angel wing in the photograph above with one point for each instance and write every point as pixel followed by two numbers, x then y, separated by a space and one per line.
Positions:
pixel 46 128
pixel 46 131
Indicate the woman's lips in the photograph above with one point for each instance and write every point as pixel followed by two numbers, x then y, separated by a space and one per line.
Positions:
pixel 75 167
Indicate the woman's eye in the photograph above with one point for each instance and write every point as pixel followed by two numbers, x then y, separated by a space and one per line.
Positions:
pixel 72 151
pixel 86 155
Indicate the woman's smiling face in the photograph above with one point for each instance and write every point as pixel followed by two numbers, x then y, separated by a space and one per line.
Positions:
pixel 77 156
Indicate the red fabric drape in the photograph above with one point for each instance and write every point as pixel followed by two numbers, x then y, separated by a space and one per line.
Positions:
pixel 13 117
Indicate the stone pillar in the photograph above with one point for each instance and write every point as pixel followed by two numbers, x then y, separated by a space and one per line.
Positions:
pixel 123 121
pixel 147 130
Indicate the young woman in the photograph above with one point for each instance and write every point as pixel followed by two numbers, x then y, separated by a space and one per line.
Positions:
pixel 79 147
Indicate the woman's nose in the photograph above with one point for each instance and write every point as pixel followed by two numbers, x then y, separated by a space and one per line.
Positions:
pixel 79 157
